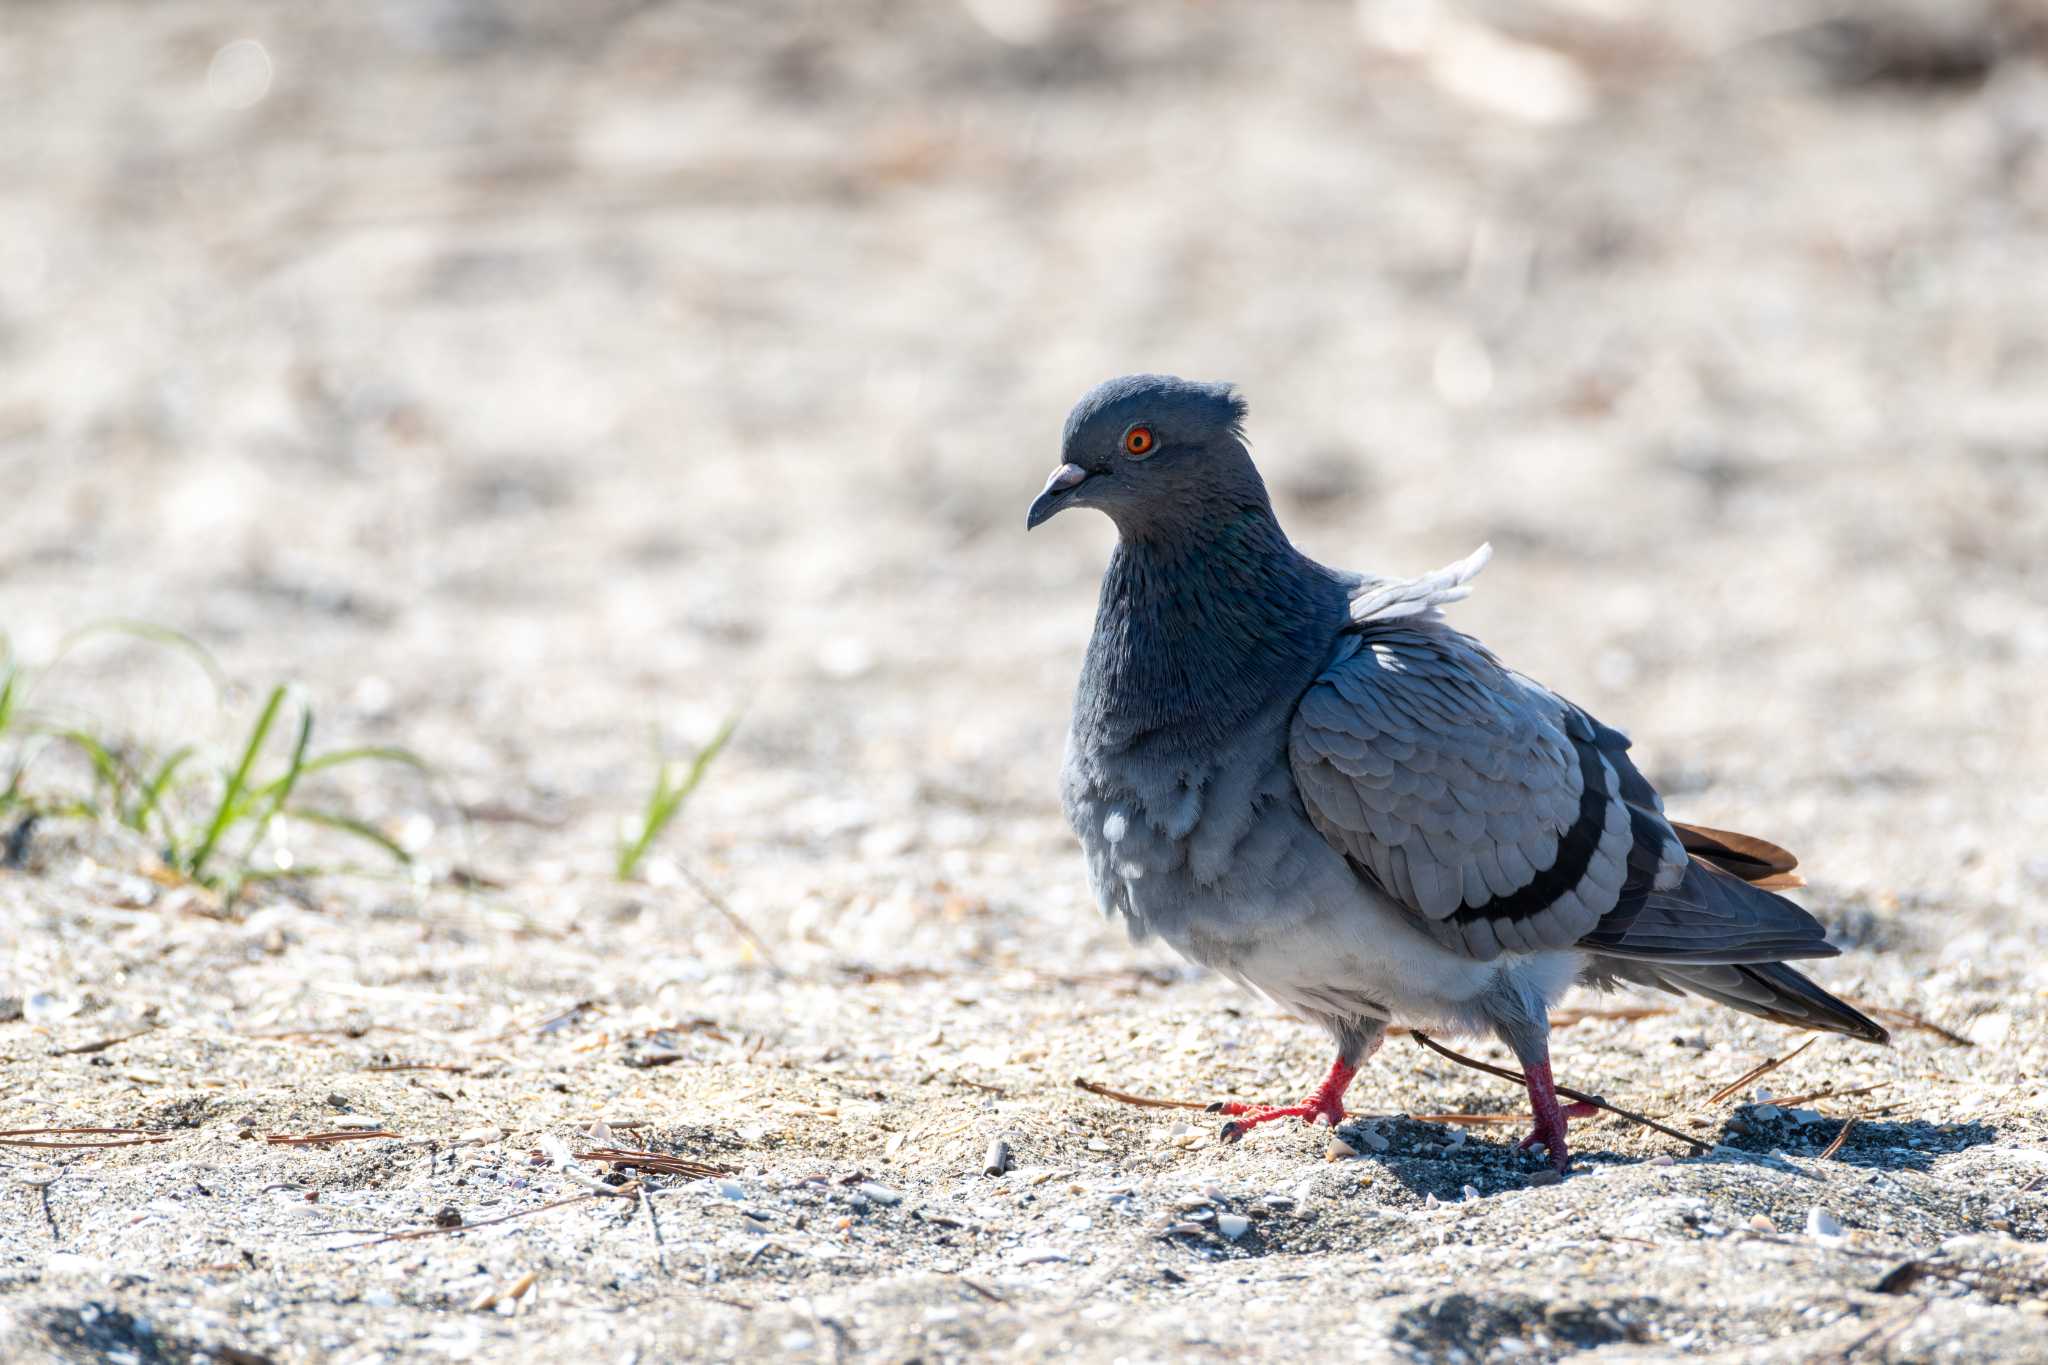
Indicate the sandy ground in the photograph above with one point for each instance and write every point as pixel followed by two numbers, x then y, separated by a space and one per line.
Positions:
pixel 536 391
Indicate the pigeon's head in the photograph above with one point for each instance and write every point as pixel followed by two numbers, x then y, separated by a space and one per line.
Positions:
pixel 1154 453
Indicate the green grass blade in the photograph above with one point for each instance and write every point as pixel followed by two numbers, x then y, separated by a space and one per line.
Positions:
pixel 667 799
pixel 108 770
pixel 238 783
pixel 149 801
pixel 348 824
pixel 275 794
pixel 9 686
pixel 176 640
pixel 365 753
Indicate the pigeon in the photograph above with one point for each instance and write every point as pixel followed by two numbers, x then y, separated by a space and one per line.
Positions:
pixel 1309 781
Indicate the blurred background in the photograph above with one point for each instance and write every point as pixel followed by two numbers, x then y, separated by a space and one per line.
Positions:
pixel 539 385
pixel 536 387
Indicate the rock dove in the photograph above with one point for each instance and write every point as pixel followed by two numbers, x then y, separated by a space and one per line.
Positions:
pixel 1309 781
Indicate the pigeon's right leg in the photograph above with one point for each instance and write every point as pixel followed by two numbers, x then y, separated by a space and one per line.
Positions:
pixel 1356 1041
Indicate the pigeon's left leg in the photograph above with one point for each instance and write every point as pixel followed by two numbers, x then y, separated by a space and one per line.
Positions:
pixel 1550 1116
pixel 1356 1041
pixel 1530 1038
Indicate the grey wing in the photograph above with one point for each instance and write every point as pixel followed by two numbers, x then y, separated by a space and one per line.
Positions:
pixel 1490 808
pixel 1507 819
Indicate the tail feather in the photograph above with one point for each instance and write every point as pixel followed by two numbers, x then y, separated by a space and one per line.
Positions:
pixel 1720 934
pixel 1754 860
pixel 1768 990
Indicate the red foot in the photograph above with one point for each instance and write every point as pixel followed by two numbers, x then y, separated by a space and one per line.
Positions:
pixel 1550 1118
pixel 1326 1104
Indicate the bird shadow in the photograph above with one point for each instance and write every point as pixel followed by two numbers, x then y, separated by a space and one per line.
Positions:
pixel 1869 1143
pixel 1445 1160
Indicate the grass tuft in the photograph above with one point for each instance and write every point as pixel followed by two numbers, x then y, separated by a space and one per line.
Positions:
pixel 149 793
pixel 673 783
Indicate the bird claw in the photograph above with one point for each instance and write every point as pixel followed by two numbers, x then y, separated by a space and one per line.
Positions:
pixel 1553 1145
pixel 1310 1111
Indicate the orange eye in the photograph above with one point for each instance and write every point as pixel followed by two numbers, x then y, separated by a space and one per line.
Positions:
pixel 1138 441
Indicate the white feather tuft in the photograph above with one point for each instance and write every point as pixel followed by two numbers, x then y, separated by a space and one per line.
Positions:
pixel 1385 599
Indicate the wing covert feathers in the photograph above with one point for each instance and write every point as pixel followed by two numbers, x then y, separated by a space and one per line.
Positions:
pixel 1496 812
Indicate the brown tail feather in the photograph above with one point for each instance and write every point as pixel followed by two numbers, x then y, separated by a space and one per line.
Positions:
pixel 1744 855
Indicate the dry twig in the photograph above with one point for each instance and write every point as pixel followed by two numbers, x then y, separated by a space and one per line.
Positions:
pixel 656 1163
pixel 1840 1138
pixel 745 930
pixel 120 1137
pixel 1473 1119
pixel 323 1139
pixel 547 1025
pixel 1566 1018
pixel 982 1290
pixel 1909 1020
pixel 1758 1072
pixel 1791 1100
pixel 415 1234
pixel 1095 1088
pixel 102 1044
pixel 1518 1078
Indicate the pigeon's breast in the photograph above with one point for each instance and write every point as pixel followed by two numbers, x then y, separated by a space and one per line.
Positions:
pixel 1184 846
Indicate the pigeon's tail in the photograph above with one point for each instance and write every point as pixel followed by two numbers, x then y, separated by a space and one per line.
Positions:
pixel 1774 991
pixel 1769 990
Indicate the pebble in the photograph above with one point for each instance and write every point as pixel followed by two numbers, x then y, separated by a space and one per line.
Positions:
pixel 1374 1142
pixel 1663 1159
pixel 1545 1177
pixel 1471 1192
pixel 1823 1226
pixel 72 1263
pixel 1337 1149
pixel 880 1194
pixel 1760 1223
pixel 43 1008
pixel 1233 1225
pixel 732 1189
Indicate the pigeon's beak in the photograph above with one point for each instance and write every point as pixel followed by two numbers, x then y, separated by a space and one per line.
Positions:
pixel 1059 491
